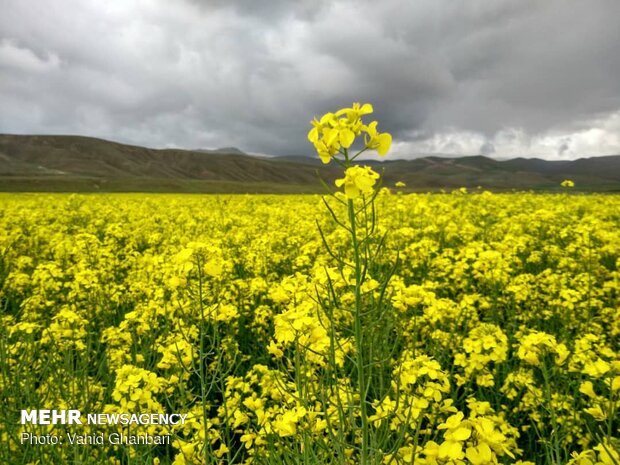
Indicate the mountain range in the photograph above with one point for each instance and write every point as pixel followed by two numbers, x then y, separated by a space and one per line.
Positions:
pixel 83 164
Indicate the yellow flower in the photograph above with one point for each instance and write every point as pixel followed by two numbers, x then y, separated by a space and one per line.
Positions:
pixel 452 450
pixel 356 112
pixel 324 137
pixel 480 454
pixel 596 412
pixel 458 430
pixel 537 344
pixel 608 455
pixel 223 449
pixel 286 424
pixel 567 183
pixel 336 131
pixel 358 181
pixel 374 140
pixel 588 389
pixel 597 368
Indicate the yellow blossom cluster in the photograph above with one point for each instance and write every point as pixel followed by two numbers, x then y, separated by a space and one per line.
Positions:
pixel 358 181
pixel 336 132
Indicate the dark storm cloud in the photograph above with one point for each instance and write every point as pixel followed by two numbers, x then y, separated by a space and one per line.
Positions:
pixel 501 78
pixel 274 10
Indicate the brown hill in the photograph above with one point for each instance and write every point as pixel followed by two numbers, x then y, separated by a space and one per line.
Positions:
pixel 76 163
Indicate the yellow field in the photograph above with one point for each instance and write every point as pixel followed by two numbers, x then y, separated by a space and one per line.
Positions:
pixel 491 333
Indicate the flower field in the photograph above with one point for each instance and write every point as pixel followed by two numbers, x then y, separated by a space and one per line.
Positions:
pixel 489 329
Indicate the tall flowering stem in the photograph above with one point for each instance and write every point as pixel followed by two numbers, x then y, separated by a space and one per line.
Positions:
pixel 333 136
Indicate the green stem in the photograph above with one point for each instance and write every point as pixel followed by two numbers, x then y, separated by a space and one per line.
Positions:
pixel 201 361
pixel 359 342
pixel 554 447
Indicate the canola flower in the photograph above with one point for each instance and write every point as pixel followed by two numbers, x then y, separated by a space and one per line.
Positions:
pixel 334 133
pixel 333 136
pixel 358 181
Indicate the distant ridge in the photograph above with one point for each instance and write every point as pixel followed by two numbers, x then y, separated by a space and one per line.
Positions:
pixel 78 163
pixel 234 150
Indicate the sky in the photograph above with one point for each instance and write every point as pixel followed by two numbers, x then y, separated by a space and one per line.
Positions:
pixel 532 78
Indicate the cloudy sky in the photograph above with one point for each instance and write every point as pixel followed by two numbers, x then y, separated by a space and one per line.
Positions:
pixel 497 77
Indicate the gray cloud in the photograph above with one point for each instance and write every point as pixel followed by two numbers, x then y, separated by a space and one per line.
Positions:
pixel 487 148
pixel 500 78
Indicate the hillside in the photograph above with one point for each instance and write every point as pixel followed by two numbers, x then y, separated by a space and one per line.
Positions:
pixel 76 163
